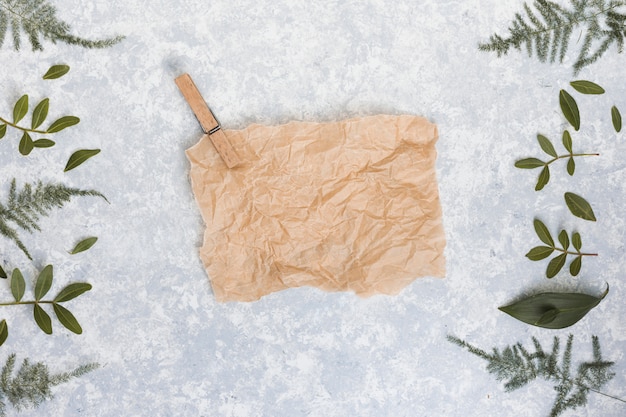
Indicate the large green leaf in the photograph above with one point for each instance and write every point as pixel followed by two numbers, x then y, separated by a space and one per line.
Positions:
pixel 79 157
pixel 569 109
pixel 529 163
pixel 56 71
pixel 579 207
pixel 40 113
pixel 577 241
pixel 26 144
pixel 84 245
pixel 544 178
pixel 44 282
pixel 42 319
pixel 4 332
pixel 20 109
pixel 543 233
pixel 587 87
pixel 567 141
pixel 546 145
pixel 539 252
pixel 571 166
pixel 564 239
pixel 18 285
pixel 67 319
pixel 574 267
pixel 555 265
pixel 616 117
pixel 72 291
pixel 62 123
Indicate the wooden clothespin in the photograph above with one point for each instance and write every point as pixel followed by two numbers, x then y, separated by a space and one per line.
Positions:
pixel 210 125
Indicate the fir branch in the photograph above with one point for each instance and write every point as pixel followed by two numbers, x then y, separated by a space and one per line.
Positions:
pixel 25 208
pixel 517 367
pixel 37 18
pixel 33 383
pixel 546 31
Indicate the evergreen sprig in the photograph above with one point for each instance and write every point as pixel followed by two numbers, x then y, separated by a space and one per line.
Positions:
pixel 33 383
pixel 518 366
pixel 37 18
pixel 546 30
pixel 25 207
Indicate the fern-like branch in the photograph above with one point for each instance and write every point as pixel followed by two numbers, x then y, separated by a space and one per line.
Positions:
pixel 546 31
pixel 37 18
pixel 25 208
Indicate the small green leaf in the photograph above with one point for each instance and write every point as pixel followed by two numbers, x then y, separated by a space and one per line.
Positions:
pixel 56 71
pixel 615 116
pixel 569 109
pixel 26 144
pixel 546 145
pixel 564 239
pixel 574 267
pixel 544 178
pixel 20 109
pixel 43 143
pixel 84 245
pixel 62 123
pixel 587 87
pixel 555 265
pixel 529 163
pixel 72 291
pixel 579 207
pixel 67 319
pixel 543 233
pixel 3 274
pixel 44 282
pixel 539 252
pixel 4 332
pixel 18 285
pixel 79 157
pixel 571 166
pixel 567 141
pixel 3 131
pixel 42 319
pixel 553 310
pixel 576 241
pixel 40 113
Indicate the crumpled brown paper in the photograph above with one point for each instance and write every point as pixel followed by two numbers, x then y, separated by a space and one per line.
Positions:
pixel 351 205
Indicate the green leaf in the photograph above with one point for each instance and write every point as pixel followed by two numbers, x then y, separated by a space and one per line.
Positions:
pixel 72 291
pixel 4 332
pixel 587 87
pixel 20 109
pixel 56 71
pixel 564 239
pixel 579 207
pixel 3 274
pixel 529 163
pixel 544 178
pixel 569 109
pixel 574 267
pixel 571 166
pixel 567 141
pixel 615 116
pixel 44 282
pixel 553 310
pixel 62 123
pixel 576 241
pixel 26 144
pixel 40 113
pixel 546 145
pixel 43 143
pixel 18 285
pixel 3 131
pixel 67 319
pixel 79 157
pixel 555 265
pixel 42 319
pixel 543 233
pixel 539 252
pixel 84 245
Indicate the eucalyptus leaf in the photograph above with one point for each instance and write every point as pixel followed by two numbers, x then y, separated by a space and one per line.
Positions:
pixel 539 252
pixel 616 117
pixel 40 113
pixel 569 109
pixel 18 285
pixel 529 163
pixel 567 141
pixel 555 265
pixel 20 109
pixel 63 123
pixel 43 143
pixel 577 241
pixel 3 130
pixel 553 310
pixel 56 71
pixel 79 157
pixel 571 166
pixel 574 267
pixel 72 291
pixel 564 239
pixel 44 282
pixel 546 145
pixel 42 319
pixel 84 245
pixel 26 144
pixel 4 332
pixel 544 178
pixel 579 207
pixel 587 87
pixel 3 274
pixel 67 319
pixel 543 233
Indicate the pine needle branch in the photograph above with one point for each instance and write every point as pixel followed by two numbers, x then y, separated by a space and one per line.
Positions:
pixel 37 18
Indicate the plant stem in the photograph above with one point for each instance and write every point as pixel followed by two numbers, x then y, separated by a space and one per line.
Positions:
pixel 568 253
pixel 571 155
pixel 26 302
pixel 23 129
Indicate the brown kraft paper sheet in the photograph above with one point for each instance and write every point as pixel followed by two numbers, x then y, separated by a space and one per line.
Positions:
pixel 345 206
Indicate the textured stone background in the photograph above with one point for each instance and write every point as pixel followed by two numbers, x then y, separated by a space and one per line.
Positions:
pixel 167 348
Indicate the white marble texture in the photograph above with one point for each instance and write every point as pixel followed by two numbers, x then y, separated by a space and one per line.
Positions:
pixel 167 348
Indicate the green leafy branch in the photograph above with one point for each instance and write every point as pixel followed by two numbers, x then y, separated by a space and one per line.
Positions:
pixel 42 286
pixel 546 31
pixel 33 383
pixel 556 264
pixel 37 18
pixel 518 366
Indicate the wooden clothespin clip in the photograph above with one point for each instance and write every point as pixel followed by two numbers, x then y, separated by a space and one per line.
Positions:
pixel 210 125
